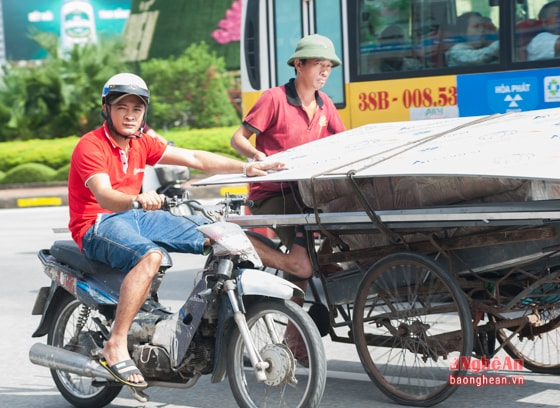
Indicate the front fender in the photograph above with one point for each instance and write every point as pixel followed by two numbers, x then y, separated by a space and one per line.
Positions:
pixel 256 282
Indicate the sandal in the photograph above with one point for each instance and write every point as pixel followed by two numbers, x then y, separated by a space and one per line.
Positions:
pixel 122 371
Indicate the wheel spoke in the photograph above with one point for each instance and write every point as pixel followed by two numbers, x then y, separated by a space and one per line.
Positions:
pixel 75 330
pixel 410 319
pixel 284 336
pixel 540 353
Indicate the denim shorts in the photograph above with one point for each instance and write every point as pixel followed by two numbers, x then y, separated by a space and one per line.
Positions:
pixel 122 239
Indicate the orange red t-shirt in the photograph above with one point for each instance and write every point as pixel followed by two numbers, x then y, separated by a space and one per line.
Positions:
pixel 280 123
pixel 97 153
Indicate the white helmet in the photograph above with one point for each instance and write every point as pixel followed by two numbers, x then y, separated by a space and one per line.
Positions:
pixel 123 84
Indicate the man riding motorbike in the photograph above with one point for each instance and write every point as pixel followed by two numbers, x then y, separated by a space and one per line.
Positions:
pixel 105 180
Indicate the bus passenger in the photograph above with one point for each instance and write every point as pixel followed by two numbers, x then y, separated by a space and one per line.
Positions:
pixel 546 45
pixel 490 30
pixel 475 49
pixel 392 42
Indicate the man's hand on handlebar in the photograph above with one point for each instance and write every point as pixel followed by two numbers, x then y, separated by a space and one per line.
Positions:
pixel 231 204
pixel 149 201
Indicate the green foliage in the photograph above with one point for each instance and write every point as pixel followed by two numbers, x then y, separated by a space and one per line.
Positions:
pixel 56 154
pixel 2 175
pixel 60 96
pixel 214 140
pixel 51 153
pixel 29 173
pixel 190 90
pixel 62 173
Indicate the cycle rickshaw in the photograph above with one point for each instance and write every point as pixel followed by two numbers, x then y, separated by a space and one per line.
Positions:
pixel 433 277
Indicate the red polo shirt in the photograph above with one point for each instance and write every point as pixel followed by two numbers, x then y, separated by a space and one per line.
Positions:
pixel 97 153
pixel 280 123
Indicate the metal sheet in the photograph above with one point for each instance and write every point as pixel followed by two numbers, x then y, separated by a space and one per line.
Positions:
pixel 522 145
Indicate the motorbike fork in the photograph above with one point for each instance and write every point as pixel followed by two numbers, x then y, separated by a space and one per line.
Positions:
pixel 257 362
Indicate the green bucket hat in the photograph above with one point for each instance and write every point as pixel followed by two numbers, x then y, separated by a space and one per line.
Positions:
pixel 315 46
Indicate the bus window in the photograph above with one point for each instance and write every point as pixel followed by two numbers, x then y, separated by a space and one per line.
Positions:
pixel 432 30
pixel 384 36
pixel 403 35
pixel 525 31
pixel 426 34
pixel 287 32
pixel 395 50
pixel 477 41
pixel 537 31
pixel 328 23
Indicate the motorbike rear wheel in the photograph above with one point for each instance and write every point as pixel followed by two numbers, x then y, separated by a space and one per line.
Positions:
pixel 82 392
pixel 288 381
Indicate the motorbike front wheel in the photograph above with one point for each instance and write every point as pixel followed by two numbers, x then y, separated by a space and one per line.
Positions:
pixel 82 392
pixel 288 340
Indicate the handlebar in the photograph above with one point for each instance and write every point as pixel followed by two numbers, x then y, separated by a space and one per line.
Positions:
pixel 231 204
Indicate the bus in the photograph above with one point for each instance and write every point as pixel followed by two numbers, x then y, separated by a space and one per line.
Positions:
pixel 407 59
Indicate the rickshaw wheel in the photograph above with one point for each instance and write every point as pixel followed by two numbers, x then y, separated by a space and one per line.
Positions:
pixel 411 325
pixel 540 352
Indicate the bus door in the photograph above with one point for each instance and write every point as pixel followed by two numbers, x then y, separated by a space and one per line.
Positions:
pixel 271 30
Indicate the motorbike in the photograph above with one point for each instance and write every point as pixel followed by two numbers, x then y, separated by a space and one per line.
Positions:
pixel 237 323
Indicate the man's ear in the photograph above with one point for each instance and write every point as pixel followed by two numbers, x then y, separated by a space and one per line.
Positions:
pixel 104 112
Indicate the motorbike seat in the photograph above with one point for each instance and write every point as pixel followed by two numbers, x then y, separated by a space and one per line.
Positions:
pixel 67 252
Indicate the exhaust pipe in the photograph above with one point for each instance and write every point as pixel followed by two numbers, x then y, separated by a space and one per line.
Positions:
pixel 65 360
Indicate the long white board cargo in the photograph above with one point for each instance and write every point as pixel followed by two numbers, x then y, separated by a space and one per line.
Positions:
pixel 523 145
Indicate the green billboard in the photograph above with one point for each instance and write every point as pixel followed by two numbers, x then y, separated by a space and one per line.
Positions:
pixel 74 21
pixel 150 28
